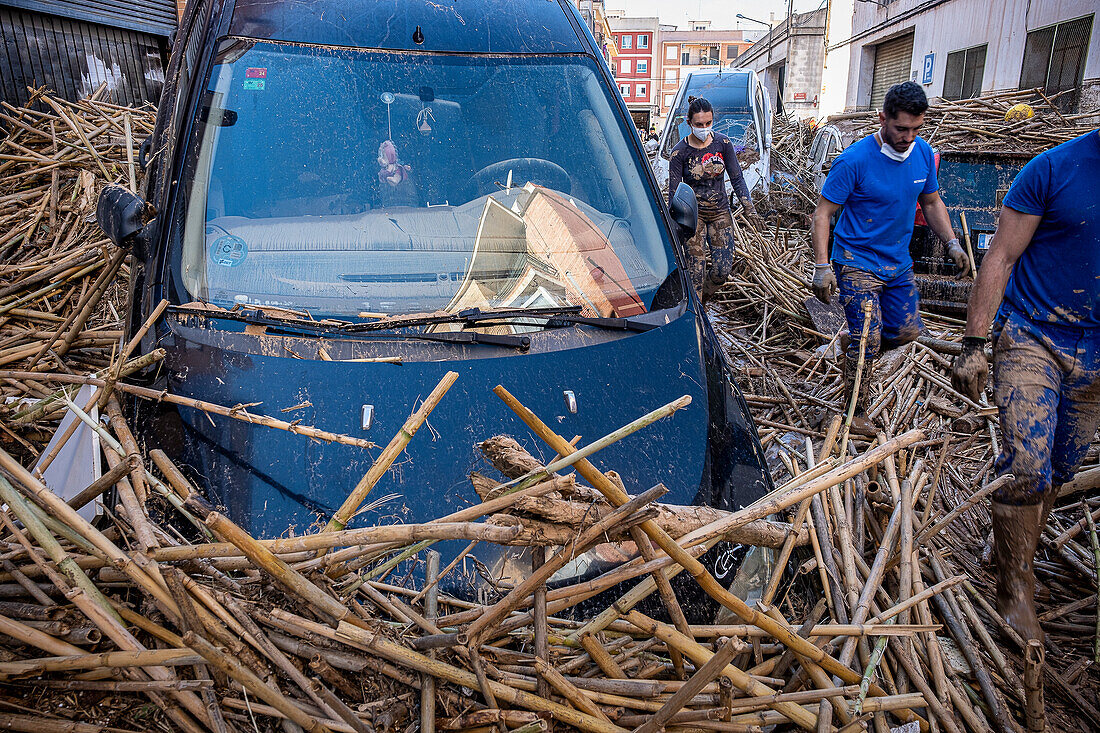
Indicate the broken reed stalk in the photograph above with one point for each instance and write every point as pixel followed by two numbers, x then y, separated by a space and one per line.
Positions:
pixel 1095 542
pixel 1034 708
pixel 396 445
pixel 704 675
pixel 858 378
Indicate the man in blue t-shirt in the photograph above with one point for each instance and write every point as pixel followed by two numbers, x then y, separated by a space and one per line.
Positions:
pixel 878 182
pixel 1045 261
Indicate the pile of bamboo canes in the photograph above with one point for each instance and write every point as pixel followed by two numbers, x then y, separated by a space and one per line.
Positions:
pixel 63 286
pixel 791 196
pixel 791 379
pixel 226 630
pixel 867 603
pixel 978 125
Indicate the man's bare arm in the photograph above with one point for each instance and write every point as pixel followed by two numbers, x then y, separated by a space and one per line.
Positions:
pixel 935 213
pixel 1014 232
pixel 819 234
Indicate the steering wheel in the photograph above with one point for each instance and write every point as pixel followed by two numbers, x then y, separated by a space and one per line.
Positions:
pixel 536 170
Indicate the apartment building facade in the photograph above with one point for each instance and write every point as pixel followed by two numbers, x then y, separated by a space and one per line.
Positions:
pixel 634 65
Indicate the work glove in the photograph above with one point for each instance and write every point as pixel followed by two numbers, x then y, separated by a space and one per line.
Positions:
pixel 958 254
pixel 755 220
pixel 824 284
pixel 971 370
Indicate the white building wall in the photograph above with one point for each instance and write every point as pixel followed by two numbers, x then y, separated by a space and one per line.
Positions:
pixel 941 27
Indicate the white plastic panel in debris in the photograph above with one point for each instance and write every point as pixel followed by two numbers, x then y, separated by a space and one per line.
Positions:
pixel 79 463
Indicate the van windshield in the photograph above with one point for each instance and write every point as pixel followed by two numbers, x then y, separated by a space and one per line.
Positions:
pixel 346 182
pixel 728 94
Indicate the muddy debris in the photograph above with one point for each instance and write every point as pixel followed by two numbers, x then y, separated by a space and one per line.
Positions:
pixel 862 599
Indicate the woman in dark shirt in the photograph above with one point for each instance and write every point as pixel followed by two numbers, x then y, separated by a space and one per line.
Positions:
pixel 702 160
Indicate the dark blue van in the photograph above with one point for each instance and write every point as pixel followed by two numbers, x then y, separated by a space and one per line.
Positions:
pixel 346 200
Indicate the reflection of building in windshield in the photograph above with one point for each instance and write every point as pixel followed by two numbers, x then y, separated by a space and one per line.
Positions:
pixel 543 252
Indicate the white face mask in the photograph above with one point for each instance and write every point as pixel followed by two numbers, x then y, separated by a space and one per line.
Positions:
pixel 889 152
pixel 701 133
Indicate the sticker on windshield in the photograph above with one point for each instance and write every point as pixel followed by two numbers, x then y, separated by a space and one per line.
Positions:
pixel 255 72
pixel 254 84
pixel 228 251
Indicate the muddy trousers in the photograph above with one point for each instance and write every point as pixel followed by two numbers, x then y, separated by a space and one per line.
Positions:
pixel 1046 380
pixel 713 236
pixel 895 309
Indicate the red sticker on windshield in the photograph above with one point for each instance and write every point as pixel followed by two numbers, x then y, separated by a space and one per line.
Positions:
pixel 255 73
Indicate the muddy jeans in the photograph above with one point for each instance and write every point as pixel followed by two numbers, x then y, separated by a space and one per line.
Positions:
pixel 715 235
pixel 1046 379
pixel 895 308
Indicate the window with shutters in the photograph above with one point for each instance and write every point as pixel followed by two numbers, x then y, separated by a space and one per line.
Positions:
pixel 963 73
pixel 643 66
pixel 893 60
pixel 1054 60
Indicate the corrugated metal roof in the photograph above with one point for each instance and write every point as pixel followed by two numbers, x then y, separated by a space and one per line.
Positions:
pixel 157 17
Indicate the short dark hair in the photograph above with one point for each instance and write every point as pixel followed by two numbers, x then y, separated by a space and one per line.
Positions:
pixel 697 105
pixel 905 97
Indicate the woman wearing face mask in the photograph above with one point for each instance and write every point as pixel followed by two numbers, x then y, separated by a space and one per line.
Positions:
pixel 702 160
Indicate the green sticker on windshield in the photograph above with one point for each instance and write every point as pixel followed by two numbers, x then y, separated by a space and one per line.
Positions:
pixel 254 84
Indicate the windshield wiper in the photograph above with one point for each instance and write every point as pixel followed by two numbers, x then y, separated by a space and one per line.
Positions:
pixel 563 319
pixel 521 342
pixel 462 316
pixel 256 317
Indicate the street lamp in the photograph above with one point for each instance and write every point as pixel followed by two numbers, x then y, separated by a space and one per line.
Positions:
pixel 754 20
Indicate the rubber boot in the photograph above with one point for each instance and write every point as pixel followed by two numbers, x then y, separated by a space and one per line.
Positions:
pixel 1015 539
pixel 1048 504
pixel 861 425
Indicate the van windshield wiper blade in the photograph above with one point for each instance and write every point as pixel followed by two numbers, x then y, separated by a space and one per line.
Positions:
pixel 565 319
pixel 514 341
pixel 470 315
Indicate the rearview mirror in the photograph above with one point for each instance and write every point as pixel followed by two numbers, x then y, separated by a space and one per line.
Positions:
pixel 685 210
pixel 122 215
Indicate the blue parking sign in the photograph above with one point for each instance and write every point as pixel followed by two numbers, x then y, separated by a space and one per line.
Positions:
pixel 928 61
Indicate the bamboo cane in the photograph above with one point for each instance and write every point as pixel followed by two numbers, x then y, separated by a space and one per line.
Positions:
pixel 395 447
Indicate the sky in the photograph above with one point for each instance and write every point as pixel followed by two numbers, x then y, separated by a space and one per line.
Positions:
pixel 721 13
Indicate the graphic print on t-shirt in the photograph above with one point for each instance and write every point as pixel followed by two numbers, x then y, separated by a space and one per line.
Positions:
pixel 711 165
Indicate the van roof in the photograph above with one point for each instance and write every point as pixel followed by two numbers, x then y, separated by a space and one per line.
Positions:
pixel 475 26
pixel 727 89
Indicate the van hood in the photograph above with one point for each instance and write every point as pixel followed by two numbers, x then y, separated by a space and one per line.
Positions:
pixel 274 482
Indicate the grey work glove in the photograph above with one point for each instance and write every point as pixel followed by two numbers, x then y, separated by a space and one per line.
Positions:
pixel 958 254
pixel 754 218
pixel 824 284
pixel 971 370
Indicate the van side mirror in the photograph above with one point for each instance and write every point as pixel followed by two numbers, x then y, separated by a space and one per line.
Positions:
pixel 685 210
pixel 122 215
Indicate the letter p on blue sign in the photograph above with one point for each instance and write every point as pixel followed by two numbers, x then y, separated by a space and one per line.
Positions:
pixel 928 62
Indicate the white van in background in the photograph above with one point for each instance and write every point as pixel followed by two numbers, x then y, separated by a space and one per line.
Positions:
pixel 741 111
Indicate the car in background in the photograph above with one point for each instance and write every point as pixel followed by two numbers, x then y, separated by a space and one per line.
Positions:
pixel 742 112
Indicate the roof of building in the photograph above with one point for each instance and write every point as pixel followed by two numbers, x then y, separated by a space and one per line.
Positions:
pixel 702 36
pixel 484 26
pixel 625 23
